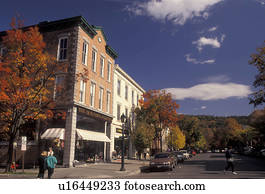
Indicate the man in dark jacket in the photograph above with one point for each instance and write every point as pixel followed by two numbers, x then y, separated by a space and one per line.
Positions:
pixel 229 160
pixel 42 164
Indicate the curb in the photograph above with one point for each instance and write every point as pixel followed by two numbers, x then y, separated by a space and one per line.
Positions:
pixel 132 169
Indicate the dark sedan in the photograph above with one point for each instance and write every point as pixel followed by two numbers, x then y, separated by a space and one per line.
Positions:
pixel 164 160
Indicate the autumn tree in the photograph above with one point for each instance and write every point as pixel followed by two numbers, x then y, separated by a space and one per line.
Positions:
pixel 176 139
pixel 146 132
pixel 257 120
pixel 208 135
pixel 230 133
pixel 258 60
pixel 190 127
pixel 159 111
pixel 26 81
pixel 142 137
pixel 202 143
pixel 251 136
pixel 233 130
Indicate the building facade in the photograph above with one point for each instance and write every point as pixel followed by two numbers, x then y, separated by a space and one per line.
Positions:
pixel 90 90
pixel 127 93
pixel 89 113
pixel 86 88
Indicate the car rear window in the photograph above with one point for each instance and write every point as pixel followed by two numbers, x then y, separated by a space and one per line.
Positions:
pixel 161 155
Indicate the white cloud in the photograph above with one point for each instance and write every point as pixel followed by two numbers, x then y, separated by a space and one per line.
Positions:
pixel 176 11
pixel 217 79
pixel 195 61
pixel 203 41
pixel 262 2
pixel 212 29
pixel 223 37
pixel 210 91
pixel 203 107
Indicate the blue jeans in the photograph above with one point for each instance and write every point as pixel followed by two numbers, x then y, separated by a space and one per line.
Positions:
pixel 50 172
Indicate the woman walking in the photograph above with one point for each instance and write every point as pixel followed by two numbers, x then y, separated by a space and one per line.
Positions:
pixel 51 161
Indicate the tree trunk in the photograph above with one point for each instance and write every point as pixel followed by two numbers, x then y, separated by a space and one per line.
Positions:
pixel 161 146
pixel 10 153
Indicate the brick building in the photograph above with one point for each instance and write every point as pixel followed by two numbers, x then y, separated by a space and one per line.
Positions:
pixel 88 102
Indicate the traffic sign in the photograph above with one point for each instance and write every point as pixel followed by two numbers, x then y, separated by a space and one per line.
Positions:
pixel 23 143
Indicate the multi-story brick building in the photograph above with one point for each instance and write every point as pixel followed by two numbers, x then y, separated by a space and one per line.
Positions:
pixel 81 48
pixel 127 93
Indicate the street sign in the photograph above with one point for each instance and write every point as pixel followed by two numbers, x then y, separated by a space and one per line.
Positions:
pixel 23 143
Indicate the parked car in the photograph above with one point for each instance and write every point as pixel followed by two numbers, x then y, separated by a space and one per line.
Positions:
pixel 179 156
pixel 262 153
pixel 185 154
pixel 163 160
pixel 247 150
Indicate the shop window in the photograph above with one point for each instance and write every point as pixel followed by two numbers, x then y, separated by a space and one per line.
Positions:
pixel 82 91
pixel 92 94
pixel 94 60
pixel 108 102
pixel 101 92
pixel 119 87
pixel 109 71
pixel 84 53
pixel 132 97
pixel 58 88
pixel 118 112
pixel 62 48
pixel 102 66
pixel 126 92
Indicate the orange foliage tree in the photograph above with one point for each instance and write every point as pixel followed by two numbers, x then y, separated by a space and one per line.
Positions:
pixel 26 81
pixel 159 111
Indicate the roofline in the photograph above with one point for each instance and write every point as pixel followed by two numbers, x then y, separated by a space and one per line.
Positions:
pixel 121 71
pixel 102 31
pixel 111 51
pixel 77 20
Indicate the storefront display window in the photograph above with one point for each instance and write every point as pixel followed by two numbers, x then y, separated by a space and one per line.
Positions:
pixel 89 151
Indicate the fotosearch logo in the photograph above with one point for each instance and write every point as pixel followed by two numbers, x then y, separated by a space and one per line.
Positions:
pixel 129 186
pixel 164 187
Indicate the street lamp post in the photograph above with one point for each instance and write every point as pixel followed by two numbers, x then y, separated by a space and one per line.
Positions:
pixel 123 120
pixel 171 134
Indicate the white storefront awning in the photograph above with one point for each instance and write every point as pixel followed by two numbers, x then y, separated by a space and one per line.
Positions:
pixel 91 135
pixel 52 133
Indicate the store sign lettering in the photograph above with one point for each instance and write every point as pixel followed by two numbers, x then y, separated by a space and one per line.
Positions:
pixel 93 114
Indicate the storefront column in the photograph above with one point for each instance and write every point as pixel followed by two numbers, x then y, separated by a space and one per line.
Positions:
pixel 105 150
pixel 112 139
pixel 70 133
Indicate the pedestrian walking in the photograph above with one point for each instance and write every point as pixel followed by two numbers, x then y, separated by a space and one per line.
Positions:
pixel 145 156
pixel 229 160
pixel 42 164
pixel 51 161
pixel 50 152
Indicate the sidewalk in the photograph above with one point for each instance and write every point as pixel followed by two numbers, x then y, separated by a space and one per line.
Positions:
pixel 85 171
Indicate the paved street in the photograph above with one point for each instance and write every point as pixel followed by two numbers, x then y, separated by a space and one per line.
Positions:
pixel 210 166
pixel 206 166
pixel 93 171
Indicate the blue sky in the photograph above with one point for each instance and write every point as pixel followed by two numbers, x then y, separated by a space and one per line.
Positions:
pixel 196 49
